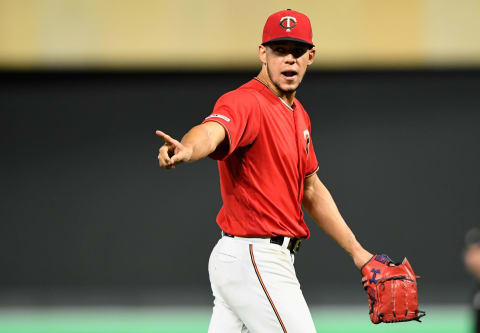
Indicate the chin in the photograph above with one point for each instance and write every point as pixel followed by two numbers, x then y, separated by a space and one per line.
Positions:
pixel 289 88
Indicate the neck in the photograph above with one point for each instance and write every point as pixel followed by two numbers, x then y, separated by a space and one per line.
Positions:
pixel 284 95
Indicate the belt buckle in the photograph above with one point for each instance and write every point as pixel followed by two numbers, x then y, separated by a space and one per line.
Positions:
pixel 295 244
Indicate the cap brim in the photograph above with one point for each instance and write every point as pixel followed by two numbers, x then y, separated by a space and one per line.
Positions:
pixel 288 39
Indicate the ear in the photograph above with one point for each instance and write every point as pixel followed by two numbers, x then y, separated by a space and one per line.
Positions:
pixel 262 54
pixel 311 55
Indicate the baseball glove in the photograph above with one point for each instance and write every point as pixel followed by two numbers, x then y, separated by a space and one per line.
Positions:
pixel 391 289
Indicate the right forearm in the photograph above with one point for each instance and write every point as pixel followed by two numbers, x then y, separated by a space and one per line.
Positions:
pixel 198 143
pixel 201 140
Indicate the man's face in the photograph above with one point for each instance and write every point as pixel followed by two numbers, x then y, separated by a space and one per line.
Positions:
pixel 286 63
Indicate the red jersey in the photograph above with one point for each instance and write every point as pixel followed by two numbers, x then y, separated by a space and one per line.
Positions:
pixel 263 168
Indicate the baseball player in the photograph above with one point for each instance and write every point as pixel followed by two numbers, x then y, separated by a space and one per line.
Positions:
pixel 261 136
pixel 471 258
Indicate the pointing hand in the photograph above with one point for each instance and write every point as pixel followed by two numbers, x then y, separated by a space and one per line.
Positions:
pixel 172 152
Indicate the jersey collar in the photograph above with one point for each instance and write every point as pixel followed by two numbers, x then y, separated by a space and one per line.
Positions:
pixel 290 107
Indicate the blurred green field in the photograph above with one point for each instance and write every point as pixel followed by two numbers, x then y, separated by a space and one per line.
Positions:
pixel 338 319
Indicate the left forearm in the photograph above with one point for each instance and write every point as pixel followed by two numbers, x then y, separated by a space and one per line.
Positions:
pixel 320 205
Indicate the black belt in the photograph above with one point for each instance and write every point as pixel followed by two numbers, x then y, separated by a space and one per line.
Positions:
pixel 293 244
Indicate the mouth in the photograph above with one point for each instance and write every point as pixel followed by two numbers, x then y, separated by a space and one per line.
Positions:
pixel 289 75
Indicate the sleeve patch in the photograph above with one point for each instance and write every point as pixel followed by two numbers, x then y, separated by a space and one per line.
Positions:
pixel 218 116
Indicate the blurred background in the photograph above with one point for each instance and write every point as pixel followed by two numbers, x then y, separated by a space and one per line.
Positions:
pixel 95 237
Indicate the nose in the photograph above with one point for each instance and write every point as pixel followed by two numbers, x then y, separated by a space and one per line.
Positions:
pixel 289 58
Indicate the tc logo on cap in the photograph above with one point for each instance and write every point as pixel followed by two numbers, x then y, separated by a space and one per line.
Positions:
pixel 288 22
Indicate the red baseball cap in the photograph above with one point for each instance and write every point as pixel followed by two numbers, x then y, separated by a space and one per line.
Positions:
pixel 287 25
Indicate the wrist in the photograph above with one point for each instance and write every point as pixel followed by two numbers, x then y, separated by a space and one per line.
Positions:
pixel 188 155
pixel 360 256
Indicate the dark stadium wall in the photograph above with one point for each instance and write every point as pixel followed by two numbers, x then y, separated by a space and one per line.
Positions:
pixel 84 205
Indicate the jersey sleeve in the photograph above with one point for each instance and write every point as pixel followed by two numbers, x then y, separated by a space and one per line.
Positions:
pixel 239 115
pixel 312 162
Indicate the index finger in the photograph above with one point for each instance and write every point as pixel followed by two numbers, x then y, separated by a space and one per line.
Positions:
pixel 167 138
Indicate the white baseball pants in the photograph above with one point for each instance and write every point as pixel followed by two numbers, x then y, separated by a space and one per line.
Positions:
pixel 256 289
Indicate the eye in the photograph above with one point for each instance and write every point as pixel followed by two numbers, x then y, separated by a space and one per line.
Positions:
pixel 298 52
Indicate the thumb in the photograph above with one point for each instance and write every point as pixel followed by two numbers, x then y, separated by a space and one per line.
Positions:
pixel 181 154
pixel 178 157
